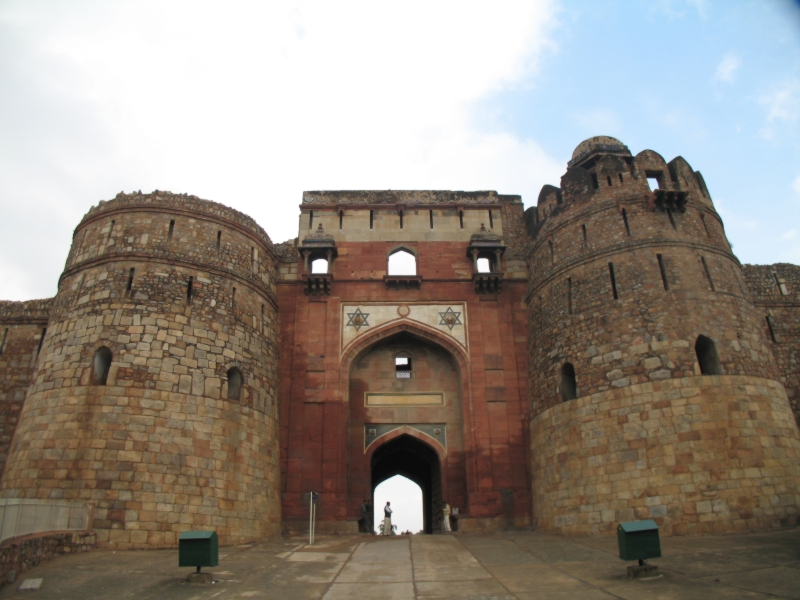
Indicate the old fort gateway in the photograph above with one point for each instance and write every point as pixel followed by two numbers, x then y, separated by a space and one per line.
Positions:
pixel 597 358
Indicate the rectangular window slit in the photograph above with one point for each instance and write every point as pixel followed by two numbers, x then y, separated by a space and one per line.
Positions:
pixel 341 218
pixel 262 319
pixel 233 298
pixel 781 285
pixel 461 218
pixel 431 216
pixel 189 291
pixel 371 218
pixel 672 219
pixel 771 326
pixel 310 219
pixel 585 239
pixel 613 280
pixel 705 225
pixel 41 341
pixel 3 345
pixel 708 273
pixel 608 177
pixel 491 220
pixel 569 295
pixel 111 229
pixel 663 271
pixel 401 219
pixel 620 178
pixel 130 281
pixel 595 185
pixel 625 220
pixel 219 240
pixel 171 229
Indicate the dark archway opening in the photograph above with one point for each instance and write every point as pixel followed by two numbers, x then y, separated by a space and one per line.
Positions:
pixel 415 460
pixel 707 356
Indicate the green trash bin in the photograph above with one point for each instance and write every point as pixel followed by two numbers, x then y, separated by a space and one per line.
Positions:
pixel 638 540
pixel 198 549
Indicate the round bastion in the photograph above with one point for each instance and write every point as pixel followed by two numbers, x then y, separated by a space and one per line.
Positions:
pixel 155 393
pixel 654 392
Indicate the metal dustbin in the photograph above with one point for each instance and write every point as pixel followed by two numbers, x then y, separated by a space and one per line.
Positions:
pixel 638 540
pixel 198 549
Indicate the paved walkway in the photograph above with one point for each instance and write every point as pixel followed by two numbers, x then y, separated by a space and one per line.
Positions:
pixel 521 565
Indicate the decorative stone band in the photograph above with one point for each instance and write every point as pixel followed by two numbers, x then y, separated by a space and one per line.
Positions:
pixel 697 454
pixel 373 431
pixel 359 320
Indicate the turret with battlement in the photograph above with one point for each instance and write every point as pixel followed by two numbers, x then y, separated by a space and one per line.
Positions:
pixel 644 340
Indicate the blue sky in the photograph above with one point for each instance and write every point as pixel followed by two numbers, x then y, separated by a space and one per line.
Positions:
pixel 251 103
pixel 715 82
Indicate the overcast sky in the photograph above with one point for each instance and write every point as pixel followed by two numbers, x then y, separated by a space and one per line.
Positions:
pixel 249 104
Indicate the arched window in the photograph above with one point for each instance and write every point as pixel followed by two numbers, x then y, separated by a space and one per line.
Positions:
pixel 402 365
pixel 102 364
pixel 707 356
pixel 402 262
pixel 234 383
pixel 569 387
pixel 484 265
pixel 319 265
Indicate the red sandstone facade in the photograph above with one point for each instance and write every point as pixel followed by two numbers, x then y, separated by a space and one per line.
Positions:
pixel 601 357
pixel 477 365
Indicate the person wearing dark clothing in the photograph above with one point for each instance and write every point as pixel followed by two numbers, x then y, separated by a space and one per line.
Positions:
pixel 366 516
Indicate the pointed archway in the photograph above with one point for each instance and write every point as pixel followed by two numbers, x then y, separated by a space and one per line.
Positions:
pixel 414 459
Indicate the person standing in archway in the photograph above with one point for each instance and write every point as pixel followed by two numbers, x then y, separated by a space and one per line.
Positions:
pixel 387 519
pixel 446 516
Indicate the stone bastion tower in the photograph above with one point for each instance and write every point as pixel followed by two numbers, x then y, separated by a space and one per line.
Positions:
pixel 154 393
pixel 654 391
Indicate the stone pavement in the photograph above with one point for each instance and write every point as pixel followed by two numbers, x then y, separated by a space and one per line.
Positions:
pixel 503 566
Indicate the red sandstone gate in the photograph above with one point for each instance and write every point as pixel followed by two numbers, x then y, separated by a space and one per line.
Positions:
pixel 406 419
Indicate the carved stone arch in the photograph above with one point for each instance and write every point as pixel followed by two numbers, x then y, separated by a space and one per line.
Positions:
pixel 234 367
pixel 423 437
pixel 392 328
pixel 402 247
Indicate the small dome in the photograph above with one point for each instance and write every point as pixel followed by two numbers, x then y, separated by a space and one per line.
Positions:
pixel 599 142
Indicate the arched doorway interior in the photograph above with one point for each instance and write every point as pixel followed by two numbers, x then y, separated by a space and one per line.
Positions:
pixel 411 458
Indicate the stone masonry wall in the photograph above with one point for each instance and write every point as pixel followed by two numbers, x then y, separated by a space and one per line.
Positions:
pixel 776 294
pixel 161 447
pixel 22 325
pixel 704 454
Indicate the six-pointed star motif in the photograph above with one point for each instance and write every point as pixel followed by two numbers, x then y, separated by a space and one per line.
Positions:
pixel 450 318
pixel 358 319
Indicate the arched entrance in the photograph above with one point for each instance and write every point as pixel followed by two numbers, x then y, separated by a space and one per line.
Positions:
pixel 406 418
pixel 415 460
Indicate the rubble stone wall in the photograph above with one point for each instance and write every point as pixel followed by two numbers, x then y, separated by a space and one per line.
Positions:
pixel 776 294
pixel 22 325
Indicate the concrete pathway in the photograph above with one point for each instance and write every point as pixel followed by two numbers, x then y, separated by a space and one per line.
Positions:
pixel 513 565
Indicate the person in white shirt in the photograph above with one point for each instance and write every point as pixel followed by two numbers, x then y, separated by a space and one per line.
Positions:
pixel 387 519
pixel 446 516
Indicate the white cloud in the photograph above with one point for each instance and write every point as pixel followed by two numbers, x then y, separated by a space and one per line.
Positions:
pixel 796 184
pixel 726 70
pixel 783 103
pixel 252 104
